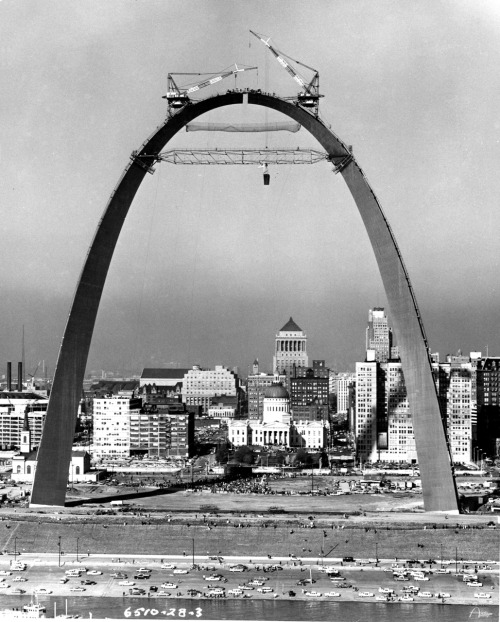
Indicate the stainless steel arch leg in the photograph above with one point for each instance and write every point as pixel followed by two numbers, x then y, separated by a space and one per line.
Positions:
pixel 438 484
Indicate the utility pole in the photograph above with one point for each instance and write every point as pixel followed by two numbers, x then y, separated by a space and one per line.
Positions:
pixel 193 551
pixel 15 549
pixel 77 548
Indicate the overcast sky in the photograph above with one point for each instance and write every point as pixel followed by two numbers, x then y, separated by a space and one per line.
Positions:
pixel 211 263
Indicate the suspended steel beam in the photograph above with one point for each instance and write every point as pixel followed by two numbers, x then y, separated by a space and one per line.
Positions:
pixel 243 156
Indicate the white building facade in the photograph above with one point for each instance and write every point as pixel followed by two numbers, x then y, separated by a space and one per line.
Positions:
pixel 13 406
pixel 343 382
pixel 112 417
pixel 459 411
pixel 365 420
pixel 201 385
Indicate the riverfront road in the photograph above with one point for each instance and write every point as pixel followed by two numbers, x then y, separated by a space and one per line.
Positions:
pixel 43 571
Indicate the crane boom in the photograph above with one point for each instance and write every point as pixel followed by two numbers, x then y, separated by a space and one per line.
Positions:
pixel 281 60
pixel 310 95
pixel 226 74
pixel 177 97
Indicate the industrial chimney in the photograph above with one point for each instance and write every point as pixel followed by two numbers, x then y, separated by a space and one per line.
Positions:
pixel 19 376
pixel 9 376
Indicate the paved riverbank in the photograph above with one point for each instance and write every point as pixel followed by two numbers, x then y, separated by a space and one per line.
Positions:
pixel 281 576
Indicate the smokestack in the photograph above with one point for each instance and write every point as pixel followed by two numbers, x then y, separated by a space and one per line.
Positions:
pixel 9 376
pixel 19 376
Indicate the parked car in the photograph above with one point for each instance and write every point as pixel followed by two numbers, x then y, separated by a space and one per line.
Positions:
pixel 216 591
pixel 136 591
pixel 238 568
pixel 215 577
pixel 77 588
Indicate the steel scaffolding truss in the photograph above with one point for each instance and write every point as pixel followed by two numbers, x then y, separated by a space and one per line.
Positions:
pixel 242 156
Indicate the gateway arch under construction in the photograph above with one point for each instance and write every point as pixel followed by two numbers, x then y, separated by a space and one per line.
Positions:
pixel 54 454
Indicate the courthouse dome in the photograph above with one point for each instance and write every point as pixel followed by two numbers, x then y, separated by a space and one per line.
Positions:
pixel 276 390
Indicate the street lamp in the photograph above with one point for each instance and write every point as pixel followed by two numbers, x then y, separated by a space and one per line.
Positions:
pixel 376 553
pixel 441 555
pixel 193 550
pixel 15 549
pixel 59 545
pixel 77 548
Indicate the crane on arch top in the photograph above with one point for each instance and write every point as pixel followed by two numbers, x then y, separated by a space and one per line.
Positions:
pixel 178 97
pixel 309 96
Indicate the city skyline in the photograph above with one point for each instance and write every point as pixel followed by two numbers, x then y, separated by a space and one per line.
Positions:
pixel 212 288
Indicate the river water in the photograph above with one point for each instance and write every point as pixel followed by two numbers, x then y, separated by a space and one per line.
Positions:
pixel 248 609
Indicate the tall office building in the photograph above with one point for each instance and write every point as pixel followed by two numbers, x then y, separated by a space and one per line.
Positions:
pixel 368 397
pixel 458 412
pixel 290 349
pixel 201 385
pixel 400 442
pixel 488 406
pixel 342 383
pixel 309 394
pixel 124 427
pixel 379 336
pixel 383 423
